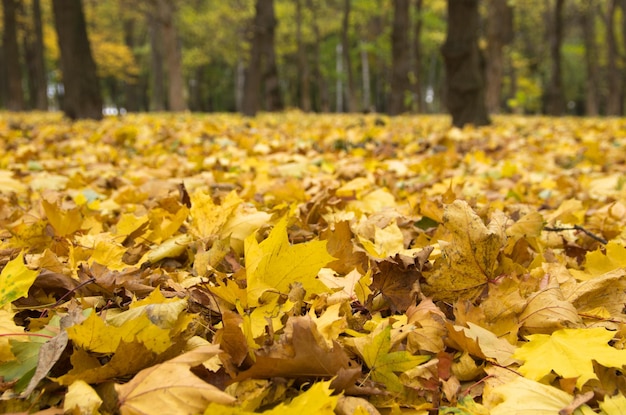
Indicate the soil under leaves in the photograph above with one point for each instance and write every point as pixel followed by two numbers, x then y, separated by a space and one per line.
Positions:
pixel 296 263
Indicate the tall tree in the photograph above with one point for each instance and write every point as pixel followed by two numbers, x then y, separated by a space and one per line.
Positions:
pixel 399 57
pixel 322 84
pixel 157 74
pixel 417 56
pixel 303 63
pixel 588 14
pixel 262 61
pixel 499 34
pixel 15 99
pixel 273 98
pixel 173 58
pixel 82 98
pixel 131 86
pixel 555 97
pixel 465 85
pixel 614 98
pixel 34 52
pixel 351 101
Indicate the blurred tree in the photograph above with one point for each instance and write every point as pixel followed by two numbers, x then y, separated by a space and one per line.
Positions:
pixel 34 57
pixel 165 10
pixel 82 97
pixel 614 97
pixel 262 63
pixel 555 99
pixel 400 63
pixel 464 69
pixel 499 34
pixel 15 98
pixel 350 93
pixel 588 18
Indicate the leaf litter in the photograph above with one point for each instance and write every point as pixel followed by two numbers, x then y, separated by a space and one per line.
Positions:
pixel 313 264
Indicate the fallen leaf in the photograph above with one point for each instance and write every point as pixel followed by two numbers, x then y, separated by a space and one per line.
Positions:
pixel 469 255
pixel 171 387
pixel 82 398
pixel 15 280
pixel 569 353
pixel 275 264
pixel 385 363
pixel 526 396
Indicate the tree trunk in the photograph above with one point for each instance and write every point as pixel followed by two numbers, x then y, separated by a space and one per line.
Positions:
pixel 464 69
pixel 399 57
pixel 15 99
pixel 613 102
pixel 351 101
pixel 499 34
pixel 131 87
pixel 339 70
pixel 262 63
pixel 555 96
pixel 303 63
pixel 173 58
pixel 82 97
pixel 322 85
pixel 367 92
pixel 274 100
pixel 157 80
pixel 591 58
pixel 417 57
pixel 36 63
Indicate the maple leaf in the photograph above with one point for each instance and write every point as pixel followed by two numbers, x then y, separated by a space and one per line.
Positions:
pixel 274 264
pixel 315 400
pixel 481 343
pixel 65 221
pixel 614 405
pixel 569 353
pixel 15 280
pixel 95 335
pixel 300 354
pixel 81 398
pixel 524 396
pixel 470 256
pixel 171 387
pixel 7 327
pixel 384 363
pixel 208 219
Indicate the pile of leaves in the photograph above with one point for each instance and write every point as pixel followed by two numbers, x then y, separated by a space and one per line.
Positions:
pixel 312 264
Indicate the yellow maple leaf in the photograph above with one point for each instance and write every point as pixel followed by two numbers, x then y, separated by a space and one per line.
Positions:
pixel 482 343
pixel 470 255
pixel 316 400
pixel 275 264
pixel 598 263
pixel 524 396
pixel 109 253
pixel 614 405
pixel 8 327
pixel 208 219
pixel 65 221
pixel 81 399
pixel 95 335
pixel 171 387
pixel 569 353
pixel 15 280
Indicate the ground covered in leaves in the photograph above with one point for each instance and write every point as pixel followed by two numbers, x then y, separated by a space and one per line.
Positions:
pixel 312 264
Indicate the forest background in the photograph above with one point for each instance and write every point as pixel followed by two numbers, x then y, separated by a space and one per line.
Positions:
pixel 552 57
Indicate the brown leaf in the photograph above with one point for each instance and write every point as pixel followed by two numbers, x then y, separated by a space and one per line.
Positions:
pixel 396 282
pixel 300 354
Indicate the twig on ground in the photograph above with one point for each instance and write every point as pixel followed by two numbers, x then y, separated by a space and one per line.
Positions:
pixel 577 228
